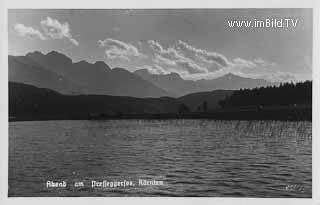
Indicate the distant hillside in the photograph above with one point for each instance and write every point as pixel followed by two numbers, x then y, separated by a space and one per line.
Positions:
pixel 24 70
pixel 26 100
pixel 174 83
pixel 233 82
pixel 29 101
pixel 171 82
pixel 95 78
pixel 195 100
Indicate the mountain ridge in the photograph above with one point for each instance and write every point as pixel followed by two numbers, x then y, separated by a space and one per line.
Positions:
pixel 180 87
pixel 100 79
pixel 94 78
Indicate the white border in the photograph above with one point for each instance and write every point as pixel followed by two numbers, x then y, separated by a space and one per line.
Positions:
pixel 100 4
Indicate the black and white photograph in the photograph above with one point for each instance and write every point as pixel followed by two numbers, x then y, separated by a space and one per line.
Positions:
pixel 159 102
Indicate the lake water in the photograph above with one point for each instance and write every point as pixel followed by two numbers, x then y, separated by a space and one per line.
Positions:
pixel 190 157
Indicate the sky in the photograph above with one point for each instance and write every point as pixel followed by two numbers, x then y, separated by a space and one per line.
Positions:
pixel 196 43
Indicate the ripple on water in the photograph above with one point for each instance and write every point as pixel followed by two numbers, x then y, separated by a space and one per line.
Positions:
pixel 193 157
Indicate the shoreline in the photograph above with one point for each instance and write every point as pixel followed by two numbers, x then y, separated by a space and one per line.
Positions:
pixel 283 114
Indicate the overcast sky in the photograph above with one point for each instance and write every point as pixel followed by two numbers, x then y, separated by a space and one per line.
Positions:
pixel 194 43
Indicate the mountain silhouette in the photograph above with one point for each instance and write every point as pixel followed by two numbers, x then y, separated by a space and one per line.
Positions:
pixel 233 82
pixel 174 83
pixel 57 72
pixel 97 78
pixel 171 82
pixel 24 70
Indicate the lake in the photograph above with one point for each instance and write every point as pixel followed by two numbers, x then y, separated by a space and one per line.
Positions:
pixel 191 158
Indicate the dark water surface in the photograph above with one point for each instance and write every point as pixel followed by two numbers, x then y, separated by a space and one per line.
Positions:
pixel 191 157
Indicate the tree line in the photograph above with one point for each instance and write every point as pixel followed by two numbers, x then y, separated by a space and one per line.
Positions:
pixel 286 94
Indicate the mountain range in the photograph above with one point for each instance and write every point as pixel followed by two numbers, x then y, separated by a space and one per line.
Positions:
pixel 175 84
pixel 58 72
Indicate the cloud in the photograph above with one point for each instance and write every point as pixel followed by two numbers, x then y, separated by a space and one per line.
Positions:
pixel 261 69
pixel 180 65
pixel 191 67
pixel 74 41
pixel 56 30
pixel 169 53
pixel 158 59
pixel 26 31
pixel 52 29
pixel 200 55
pixel 155 46
pixel 185 59
pixel 119 49
pixel 154 69
pixel 195 63
pixel 242 63
pixel 280 76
